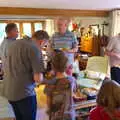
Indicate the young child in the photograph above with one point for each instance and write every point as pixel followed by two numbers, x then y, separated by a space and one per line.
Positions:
pixel 59 64
pixel 108 102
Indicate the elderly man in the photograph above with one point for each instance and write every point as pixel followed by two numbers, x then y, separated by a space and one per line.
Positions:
pixel 66 41
pixel 24 67
pixel 113 51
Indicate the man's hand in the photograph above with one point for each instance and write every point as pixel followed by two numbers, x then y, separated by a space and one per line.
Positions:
pixel 38 77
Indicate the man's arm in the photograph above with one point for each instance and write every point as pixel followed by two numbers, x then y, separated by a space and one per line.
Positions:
pixel 109 50
pixel 38 77
pixel 74 45
pixel 111 53
pixel 37 64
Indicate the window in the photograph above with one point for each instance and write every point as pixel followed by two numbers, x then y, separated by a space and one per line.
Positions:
pixel 24 27
pixel 27 29
pixel 38 26
pixel 2 31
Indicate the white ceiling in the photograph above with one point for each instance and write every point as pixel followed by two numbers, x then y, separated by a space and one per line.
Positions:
pixel 63 4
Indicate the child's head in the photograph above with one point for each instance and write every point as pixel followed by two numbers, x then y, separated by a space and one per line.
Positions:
pixel 59 61
pixel 109 96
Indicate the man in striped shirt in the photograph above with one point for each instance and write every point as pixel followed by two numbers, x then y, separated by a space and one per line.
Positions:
pixel 65 40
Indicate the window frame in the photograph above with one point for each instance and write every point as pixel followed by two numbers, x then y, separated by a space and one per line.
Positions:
pixel 25 21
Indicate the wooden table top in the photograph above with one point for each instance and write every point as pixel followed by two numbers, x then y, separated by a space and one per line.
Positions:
pixel 85 104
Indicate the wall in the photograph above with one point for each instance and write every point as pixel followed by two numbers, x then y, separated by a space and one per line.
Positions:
pixel 50 24
pixel 86 21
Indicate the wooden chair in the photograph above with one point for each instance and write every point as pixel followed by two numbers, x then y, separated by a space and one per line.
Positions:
pixel 60 100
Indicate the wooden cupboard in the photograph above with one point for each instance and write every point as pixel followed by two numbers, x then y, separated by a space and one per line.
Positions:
pixel 90 44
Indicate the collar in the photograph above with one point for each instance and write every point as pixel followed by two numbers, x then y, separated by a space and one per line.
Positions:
pixel 12 39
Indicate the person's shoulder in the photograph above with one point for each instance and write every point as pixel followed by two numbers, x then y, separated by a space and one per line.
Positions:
pixel 117 38
pixel 16 43
pixel 25 43
pixel 4 41
pixel 96 109
pixel 70 33
pixel 95 112
pixel 114 38
pixel 22 45
pixel 31 46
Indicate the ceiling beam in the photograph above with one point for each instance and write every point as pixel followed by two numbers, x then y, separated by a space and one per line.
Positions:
pixel 52 12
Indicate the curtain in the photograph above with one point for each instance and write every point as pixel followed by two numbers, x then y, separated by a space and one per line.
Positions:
pixel 115 22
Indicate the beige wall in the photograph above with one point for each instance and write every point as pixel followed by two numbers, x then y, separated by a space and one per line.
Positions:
pixel 86 21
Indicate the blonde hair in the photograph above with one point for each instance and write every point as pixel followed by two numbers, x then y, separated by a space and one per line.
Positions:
pixel 109 97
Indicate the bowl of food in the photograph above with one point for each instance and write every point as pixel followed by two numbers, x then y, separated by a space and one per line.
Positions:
pixel 78 96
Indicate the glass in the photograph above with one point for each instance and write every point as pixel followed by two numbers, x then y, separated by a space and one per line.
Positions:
pixel 37 26
pixel 27 29
pixel 2 32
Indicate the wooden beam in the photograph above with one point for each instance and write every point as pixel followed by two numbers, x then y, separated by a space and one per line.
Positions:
pixel 51 12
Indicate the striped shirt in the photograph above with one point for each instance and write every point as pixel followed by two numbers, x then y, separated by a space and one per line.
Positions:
pixel 65 41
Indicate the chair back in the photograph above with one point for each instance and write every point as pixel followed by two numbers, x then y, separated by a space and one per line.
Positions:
pixel 60 99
